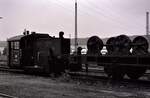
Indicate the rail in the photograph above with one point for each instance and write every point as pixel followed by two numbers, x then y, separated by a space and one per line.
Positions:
pixel 2 95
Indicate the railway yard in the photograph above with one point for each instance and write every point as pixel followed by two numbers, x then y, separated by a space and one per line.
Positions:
pixel 50 71
pixel 97 63
pixel 20 85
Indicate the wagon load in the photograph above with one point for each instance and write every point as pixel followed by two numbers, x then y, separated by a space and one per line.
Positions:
pixel 94 45
pixel 117 46
pixel 139 48
pixel 110 45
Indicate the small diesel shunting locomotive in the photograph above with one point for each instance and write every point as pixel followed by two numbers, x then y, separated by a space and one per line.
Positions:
pixel 39 52
pixel 43 53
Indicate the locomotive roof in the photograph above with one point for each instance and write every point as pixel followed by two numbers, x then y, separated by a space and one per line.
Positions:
pixel 36 35
pixel 16 38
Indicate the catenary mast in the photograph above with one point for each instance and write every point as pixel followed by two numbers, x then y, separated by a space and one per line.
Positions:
pixel 76 37
pixel 147 23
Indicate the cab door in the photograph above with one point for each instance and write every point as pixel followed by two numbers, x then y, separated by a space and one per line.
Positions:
pixel 43 60
pixel 43 55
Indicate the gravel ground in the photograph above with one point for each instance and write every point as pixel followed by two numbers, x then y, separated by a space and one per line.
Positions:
pixel 29 86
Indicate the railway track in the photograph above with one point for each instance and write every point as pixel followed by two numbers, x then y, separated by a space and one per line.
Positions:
pixel 7 69
pixel 99 75
pixel 2 95
pixel 94 74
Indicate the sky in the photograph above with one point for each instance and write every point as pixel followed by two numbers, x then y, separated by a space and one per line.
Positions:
pixel 104 18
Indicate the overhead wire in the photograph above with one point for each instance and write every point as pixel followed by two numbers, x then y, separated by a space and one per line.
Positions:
pixel 135 25
pixel 83 11
pixel 102 14
pixel 80 11
pixel 110 3
pixel 113 11
pixel 91 11
pixel 60 5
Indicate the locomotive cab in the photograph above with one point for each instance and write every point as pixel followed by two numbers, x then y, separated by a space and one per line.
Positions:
pixel 14 51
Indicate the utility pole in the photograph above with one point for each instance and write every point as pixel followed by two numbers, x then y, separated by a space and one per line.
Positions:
pixel 76 31
pixel 147 23
pixel 147 27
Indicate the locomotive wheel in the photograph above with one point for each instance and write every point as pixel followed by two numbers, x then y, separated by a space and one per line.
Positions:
pixel 135 72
